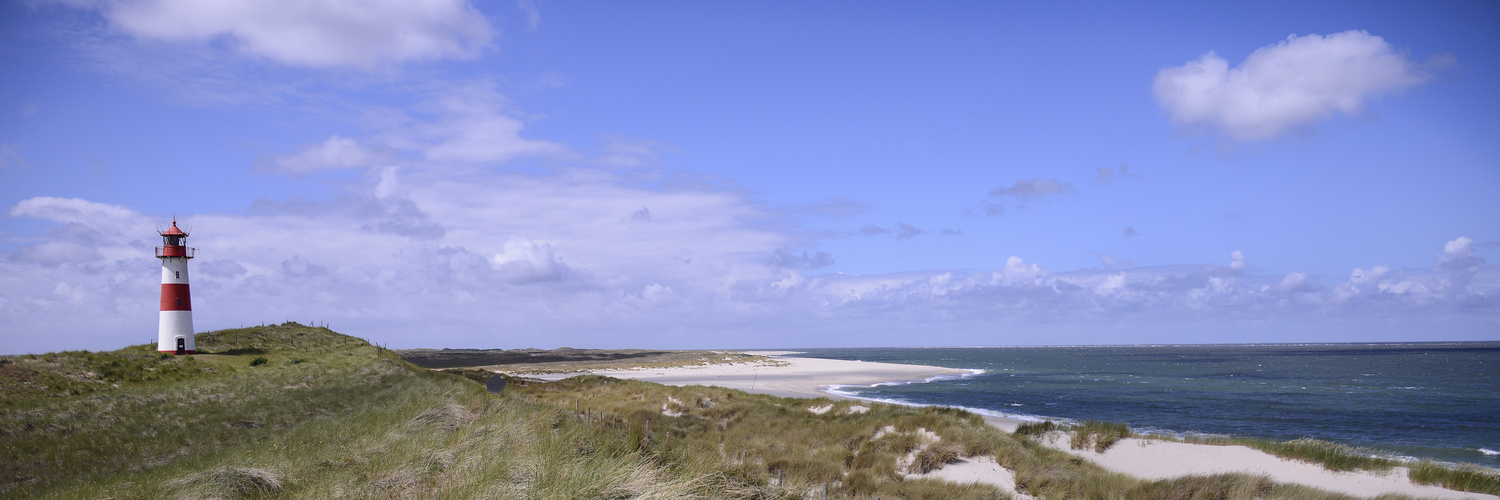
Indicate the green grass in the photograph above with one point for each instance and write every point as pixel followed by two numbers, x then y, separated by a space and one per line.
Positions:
pixel 1038 428
pixel 330 416
pixel 1098 435
pixel 348 420
pixel 1463 477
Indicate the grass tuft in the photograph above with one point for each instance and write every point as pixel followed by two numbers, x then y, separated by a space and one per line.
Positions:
pixel 1037 428
pixel 1467 477
pixel 243 482
pixel 447 417
pixel 934 457
pixel 1098 435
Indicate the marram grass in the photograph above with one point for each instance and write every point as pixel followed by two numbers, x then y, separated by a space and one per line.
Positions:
pixel 330 416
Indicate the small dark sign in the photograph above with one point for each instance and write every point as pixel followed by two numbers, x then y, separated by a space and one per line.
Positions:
pixel 495 384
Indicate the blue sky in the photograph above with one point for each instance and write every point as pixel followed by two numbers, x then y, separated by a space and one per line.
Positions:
pixel 754 174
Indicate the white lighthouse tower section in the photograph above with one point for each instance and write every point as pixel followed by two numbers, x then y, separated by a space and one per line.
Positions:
pixel 175 321
pixel 175 333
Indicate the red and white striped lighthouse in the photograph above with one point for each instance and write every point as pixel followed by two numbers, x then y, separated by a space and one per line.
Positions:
pixel 175 333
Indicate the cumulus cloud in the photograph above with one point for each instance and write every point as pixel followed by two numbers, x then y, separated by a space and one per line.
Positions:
pixel 1292 84
pixel 1237 261
pixel 1130 231
pixel 872 230
pixel 1296 281
pixel 1459 255
pixel 317 33
pixel 526 261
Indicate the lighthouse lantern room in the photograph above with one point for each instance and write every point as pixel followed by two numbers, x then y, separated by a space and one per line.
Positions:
pixel 175 333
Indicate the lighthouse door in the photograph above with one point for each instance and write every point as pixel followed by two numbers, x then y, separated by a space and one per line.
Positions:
pixel 181 346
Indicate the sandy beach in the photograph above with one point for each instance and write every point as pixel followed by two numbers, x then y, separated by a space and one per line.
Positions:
pixel 1146 459
pixel 793 378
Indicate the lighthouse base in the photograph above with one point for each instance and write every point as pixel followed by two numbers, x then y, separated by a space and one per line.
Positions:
pixel 175 333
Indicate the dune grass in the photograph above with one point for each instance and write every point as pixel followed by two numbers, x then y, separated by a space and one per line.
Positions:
pixel 330 416
pixel 1463 477
pixel 1097 435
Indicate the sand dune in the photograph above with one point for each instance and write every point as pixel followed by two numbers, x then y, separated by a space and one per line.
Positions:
pixel 808 377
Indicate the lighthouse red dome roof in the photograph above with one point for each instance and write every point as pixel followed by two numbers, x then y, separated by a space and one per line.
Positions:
pixel 173 231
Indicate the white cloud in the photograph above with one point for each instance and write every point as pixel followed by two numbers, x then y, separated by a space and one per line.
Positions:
pixel 94 214
pixel 1459 254
pixel 511 260
pixel 1292 84
pixel 1295 281
pixel 1237 261
pixel 526 261
pixel 470 124
pixel 313 33
pixel 388 182
pixel 335 152
pixel 467 124
pixel 1018 271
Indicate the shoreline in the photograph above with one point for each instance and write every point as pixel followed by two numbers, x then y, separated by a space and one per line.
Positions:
pixel 1142 458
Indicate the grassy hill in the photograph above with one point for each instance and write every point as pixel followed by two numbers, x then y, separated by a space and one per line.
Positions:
pixel 289 411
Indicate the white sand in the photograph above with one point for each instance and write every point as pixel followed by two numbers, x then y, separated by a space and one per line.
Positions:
pixel 806 377
pixel 800 378
pixel 982 470
pixel 1149 459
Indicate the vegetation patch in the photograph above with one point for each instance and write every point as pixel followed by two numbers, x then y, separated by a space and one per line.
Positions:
pixel 1098 436
pixel 1466 477
pixel 1037 428
pixel 352 420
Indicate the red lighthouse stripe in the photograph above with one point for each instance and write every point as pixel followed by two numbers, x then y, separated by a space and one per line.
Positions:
pixel 174 297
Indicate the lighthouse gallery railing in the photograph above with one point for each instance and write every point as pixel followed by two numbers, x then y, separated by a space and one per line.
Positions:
pixel 175 252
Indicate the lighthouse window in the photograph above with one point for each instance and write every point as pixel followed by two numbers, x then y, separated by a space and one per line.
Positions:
pixel 178 274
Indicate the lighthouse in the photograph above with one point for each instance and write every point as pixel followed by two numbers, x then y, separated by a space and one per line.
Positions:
pixel 175 333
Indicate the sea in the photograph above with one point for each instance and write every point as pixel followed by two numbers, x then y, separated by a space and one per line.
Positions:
pixel 1437 400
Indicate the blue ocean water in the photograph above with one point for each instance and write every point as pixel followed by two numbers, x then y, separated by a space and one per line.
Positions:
pixel 1424 400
